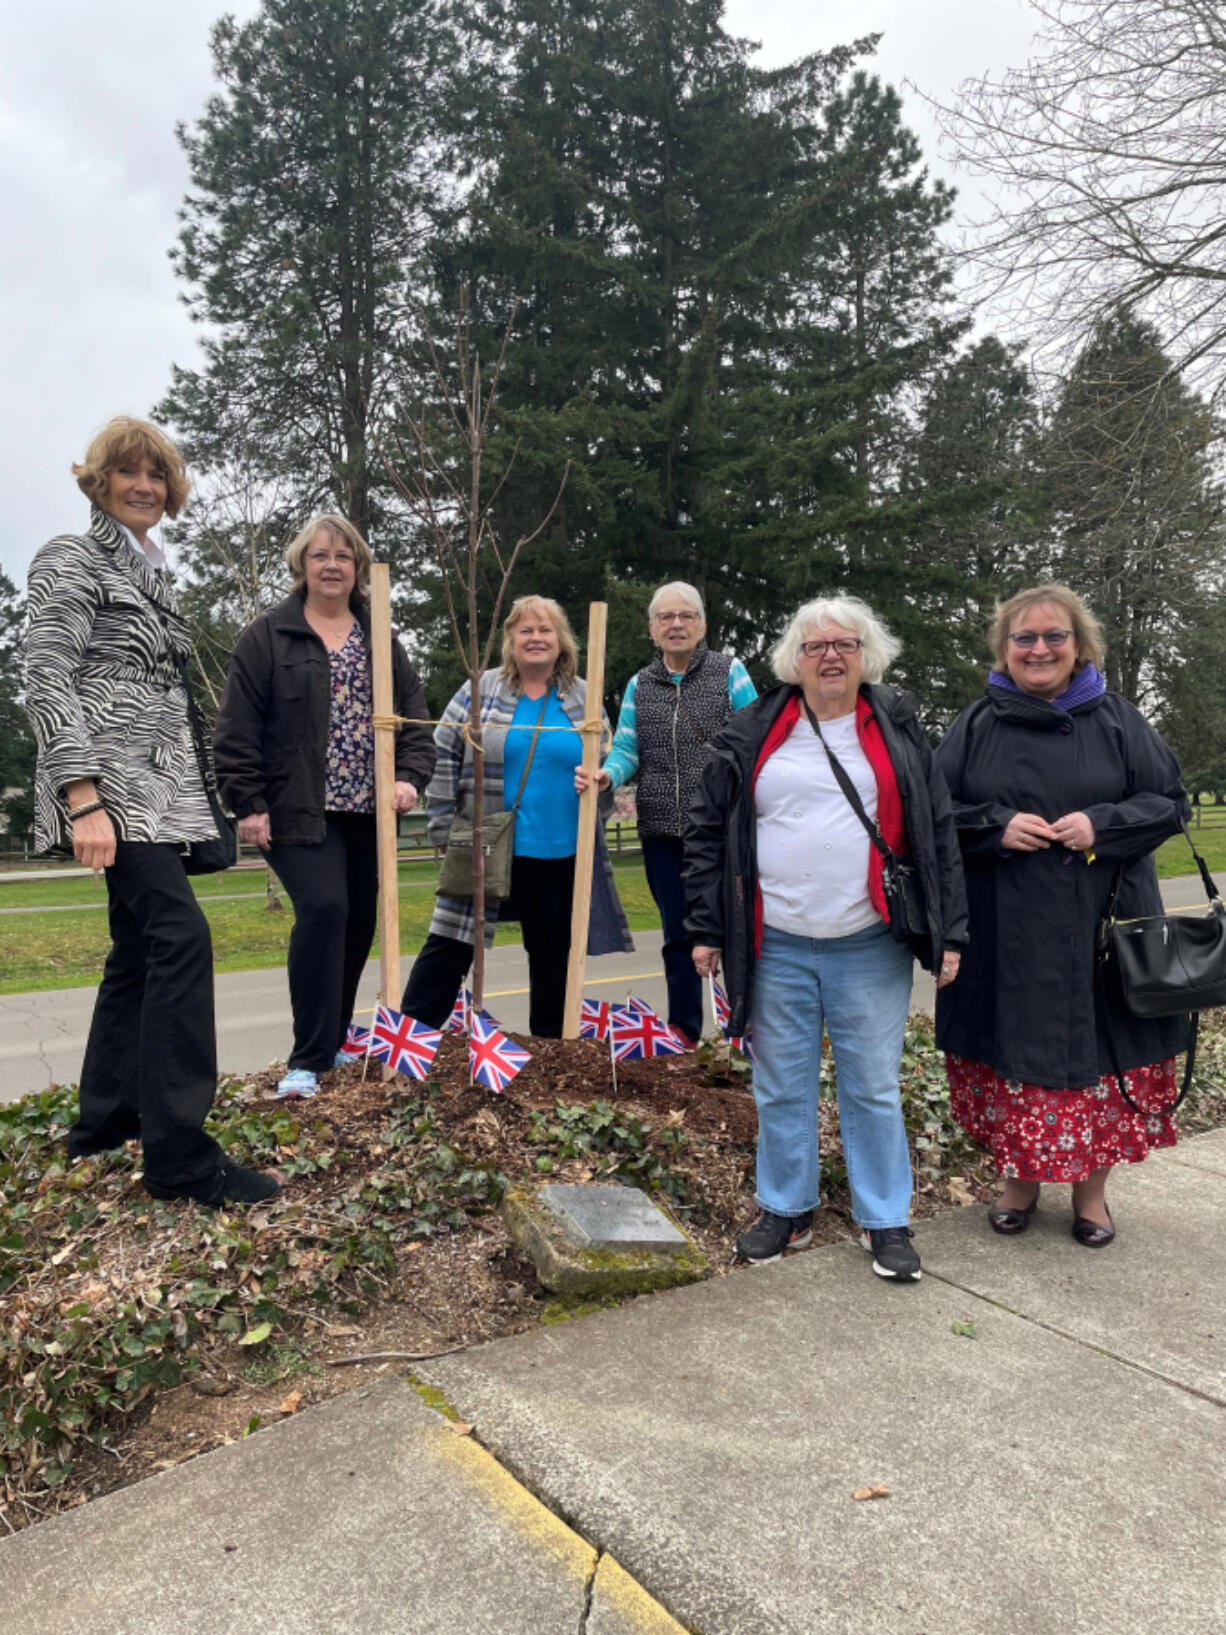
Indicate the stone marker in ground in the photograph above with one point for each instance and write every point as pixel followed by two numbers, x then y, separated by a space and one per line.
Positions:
pixel 611 1217
pixel 600 1240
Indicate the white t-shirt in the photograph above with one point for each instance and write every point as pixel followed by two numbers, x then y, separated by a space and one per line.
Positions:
pixel 813 850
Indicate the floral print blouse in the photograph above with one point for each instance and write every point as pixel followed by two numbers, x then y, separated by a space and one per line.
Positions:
pixel 350 782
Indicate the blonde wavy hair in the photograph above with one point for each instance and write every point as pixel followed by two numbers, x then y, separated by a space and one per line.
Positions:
pixel 125 438
pixel 567 666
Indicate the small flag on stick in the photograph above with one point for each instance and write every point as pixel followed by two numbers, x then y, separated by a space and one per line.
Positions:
pixel 407 1046
pixel 493 1059
pixel 457 1022
pixel 723 1015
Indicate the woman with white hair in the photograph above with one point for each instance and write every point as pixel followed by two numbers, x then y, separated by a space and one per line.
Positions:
pixel 808 791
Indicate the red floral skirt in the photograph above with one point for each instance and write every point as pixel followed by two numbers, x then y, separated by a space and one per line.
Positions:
pixel 1038 1134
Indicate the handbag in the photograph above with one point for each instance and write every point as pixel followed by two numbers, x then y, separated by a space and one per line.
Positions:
pixel 497 842
pixel 207 856
pixel 1165 965
pixel 904 894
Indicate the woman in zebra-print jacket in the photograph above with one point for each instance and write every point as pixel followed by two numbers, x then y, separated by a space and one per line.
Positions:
pixel 118 785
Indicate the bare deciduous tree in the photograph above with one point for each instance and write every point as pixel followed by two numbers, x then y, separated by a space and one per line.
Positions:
pixel 1109 152
pixel 439 475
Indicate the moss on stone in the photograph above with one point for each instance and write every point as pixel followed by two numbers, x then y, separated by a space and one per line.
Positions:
pixel 574 1272
pixel 433 1397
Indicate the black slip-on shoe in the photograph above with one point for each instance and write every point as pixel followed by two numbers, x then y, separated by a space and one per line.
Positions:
pixel 231 1184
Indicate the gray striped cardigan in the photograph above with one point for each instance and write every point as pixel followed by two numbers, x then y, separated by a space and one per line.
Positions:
pixel 450 794
pixel 102 689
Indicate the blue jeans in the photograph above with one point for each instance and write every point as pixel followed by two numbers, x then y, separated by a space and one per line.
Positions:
pixel 860 986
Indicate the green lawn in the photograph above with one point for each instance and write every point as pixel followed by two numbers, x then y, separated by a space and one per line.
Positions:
pixel 1173 856
pixel 66 950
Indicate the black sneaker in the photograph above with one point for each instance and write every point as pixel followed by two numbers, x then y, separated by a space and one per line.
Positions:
pixel 893 1256
pixel 231 1184
pixel 771 1234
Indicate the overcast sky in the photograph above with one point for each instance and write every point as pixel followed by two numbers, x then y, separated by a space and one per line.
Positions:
pixel 91 177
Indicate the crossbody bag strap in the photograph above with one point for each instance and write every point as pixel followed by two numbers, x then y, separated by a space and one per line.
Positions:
pixel 1207 880
pixel 1189 1059
pixel 195 720
pixel 845 784
pixel 536 733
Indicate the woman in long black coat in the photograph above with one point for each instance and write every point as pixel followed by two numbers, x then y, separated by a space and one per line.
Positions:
pixel 1057 783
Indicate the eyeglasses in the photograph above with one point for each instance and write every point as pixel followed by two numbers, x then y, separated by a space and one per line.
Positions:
pixel 674 618
pixel 844 645
pixel 1027 638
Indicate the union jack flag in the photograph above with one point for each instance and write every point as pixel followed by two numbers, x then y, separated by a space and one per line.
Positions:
pixel 493 1059
pixel 356 1041
pixel 723 1015
pixel 639 1033
pixel 594 1019
pixel 457 1022
pixel 407 1046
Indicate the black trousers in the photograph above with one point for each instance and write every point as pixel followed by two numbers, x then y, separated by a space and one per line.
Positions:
pixel 663 860
pixel 334 887
pixel 541 892
pixel 150 1065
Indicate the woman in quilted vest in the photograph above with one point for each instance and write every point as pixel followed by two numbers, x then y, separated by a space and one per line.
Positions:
pixel 671 710
pixel 120 786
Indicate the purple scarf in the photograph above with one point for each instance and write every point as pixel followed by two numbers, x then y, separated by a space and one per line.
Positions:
pixel 1085 685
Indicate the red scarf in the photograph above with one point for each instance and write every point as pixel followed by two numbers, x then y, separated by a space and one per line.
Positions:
pixel 890 818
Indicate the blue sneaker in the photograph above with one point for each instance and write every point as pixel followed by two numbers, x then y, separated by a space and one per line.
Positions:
pixel 341 1059
pixel 297 1082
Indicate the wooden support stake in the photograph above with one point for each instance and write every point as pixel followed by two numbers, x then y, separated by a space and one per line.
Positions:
pixel 585 851
pixel 385 784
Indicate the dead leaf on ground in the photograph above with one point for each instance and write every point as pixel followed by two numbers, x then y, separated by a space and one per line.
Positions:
pixel 208 1385
pixel 292 1403
pixel 459 1426
pixel 877 1490
pixel 960 1190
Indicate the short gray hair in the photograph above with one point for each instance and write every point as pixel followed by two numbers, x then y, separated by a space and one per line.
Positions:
pixel 879 648
pixel 677 587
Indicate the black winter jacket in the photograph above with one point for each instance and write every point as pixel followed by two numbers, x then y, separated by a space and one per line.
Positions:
pixel 271 738
pixel 1026 1002
pixel 721 868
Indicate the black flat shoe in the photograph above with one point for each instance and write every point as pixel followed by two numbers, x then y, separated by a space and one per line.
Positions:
pixel 231 1184
pixel 1009 1222
pixel 1092 1234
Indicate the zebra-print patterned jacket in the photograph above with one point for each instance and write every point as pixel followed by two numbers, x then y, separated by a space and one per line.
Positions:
pixel 100 672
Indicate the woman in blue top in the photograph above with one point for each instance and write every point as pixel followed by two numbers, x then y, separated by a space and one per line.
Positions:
pixel 538 673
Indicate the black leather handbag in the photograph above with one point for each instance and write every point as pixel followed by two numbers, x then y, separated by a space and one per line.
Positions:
pixel 904 895
pixel 207 856
pixel 1166 965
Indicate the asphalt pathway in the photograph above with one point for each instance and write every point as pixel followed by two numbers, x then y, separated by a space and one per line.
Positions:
pixel 42 1035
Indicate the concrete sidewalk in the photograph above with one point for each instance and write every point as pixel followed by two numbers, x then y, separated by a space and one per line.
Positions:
pixel 1060 1470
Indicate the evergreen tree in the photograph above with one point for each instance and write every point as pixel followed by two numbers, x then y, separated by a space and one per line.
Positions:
pixel 314 184
pixel 729 281
pixel 977 532
pixel 17 750
pixel 1135 502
